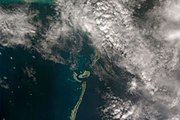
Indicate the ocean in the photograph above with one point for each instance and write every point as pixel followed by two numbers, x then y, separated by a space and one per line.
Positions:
pixel 50 96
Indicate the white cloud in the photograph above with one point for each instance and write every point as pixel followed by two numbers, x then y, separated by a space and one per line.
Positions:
pixel 156 65
pixel 14 26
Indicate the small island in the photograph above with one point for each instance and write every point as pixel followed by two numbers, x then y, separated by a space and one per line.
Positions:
pixel 96 58
pixel 85 74
pixel 74 111
pixel 75 77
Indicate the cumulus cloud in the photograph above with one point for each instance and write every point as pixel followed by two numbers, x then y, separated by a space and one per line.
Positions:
pixel 116 108
pixel 4 84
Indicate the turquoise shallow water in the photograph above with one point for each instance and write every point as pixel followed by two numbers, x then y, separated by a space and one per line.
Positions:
pixel 28 1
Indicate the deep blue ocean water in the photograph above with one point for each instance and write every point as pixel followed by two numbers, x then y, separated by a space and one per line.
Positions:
pixel 51 97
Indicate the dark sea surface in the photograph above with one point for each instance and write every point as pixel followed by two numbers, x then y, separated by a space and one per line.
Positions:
pixel 50 97
pixel 89 107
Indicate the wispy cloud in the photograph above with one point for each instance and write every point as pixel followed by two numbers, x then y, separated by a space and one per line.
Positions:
pixel 14 26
